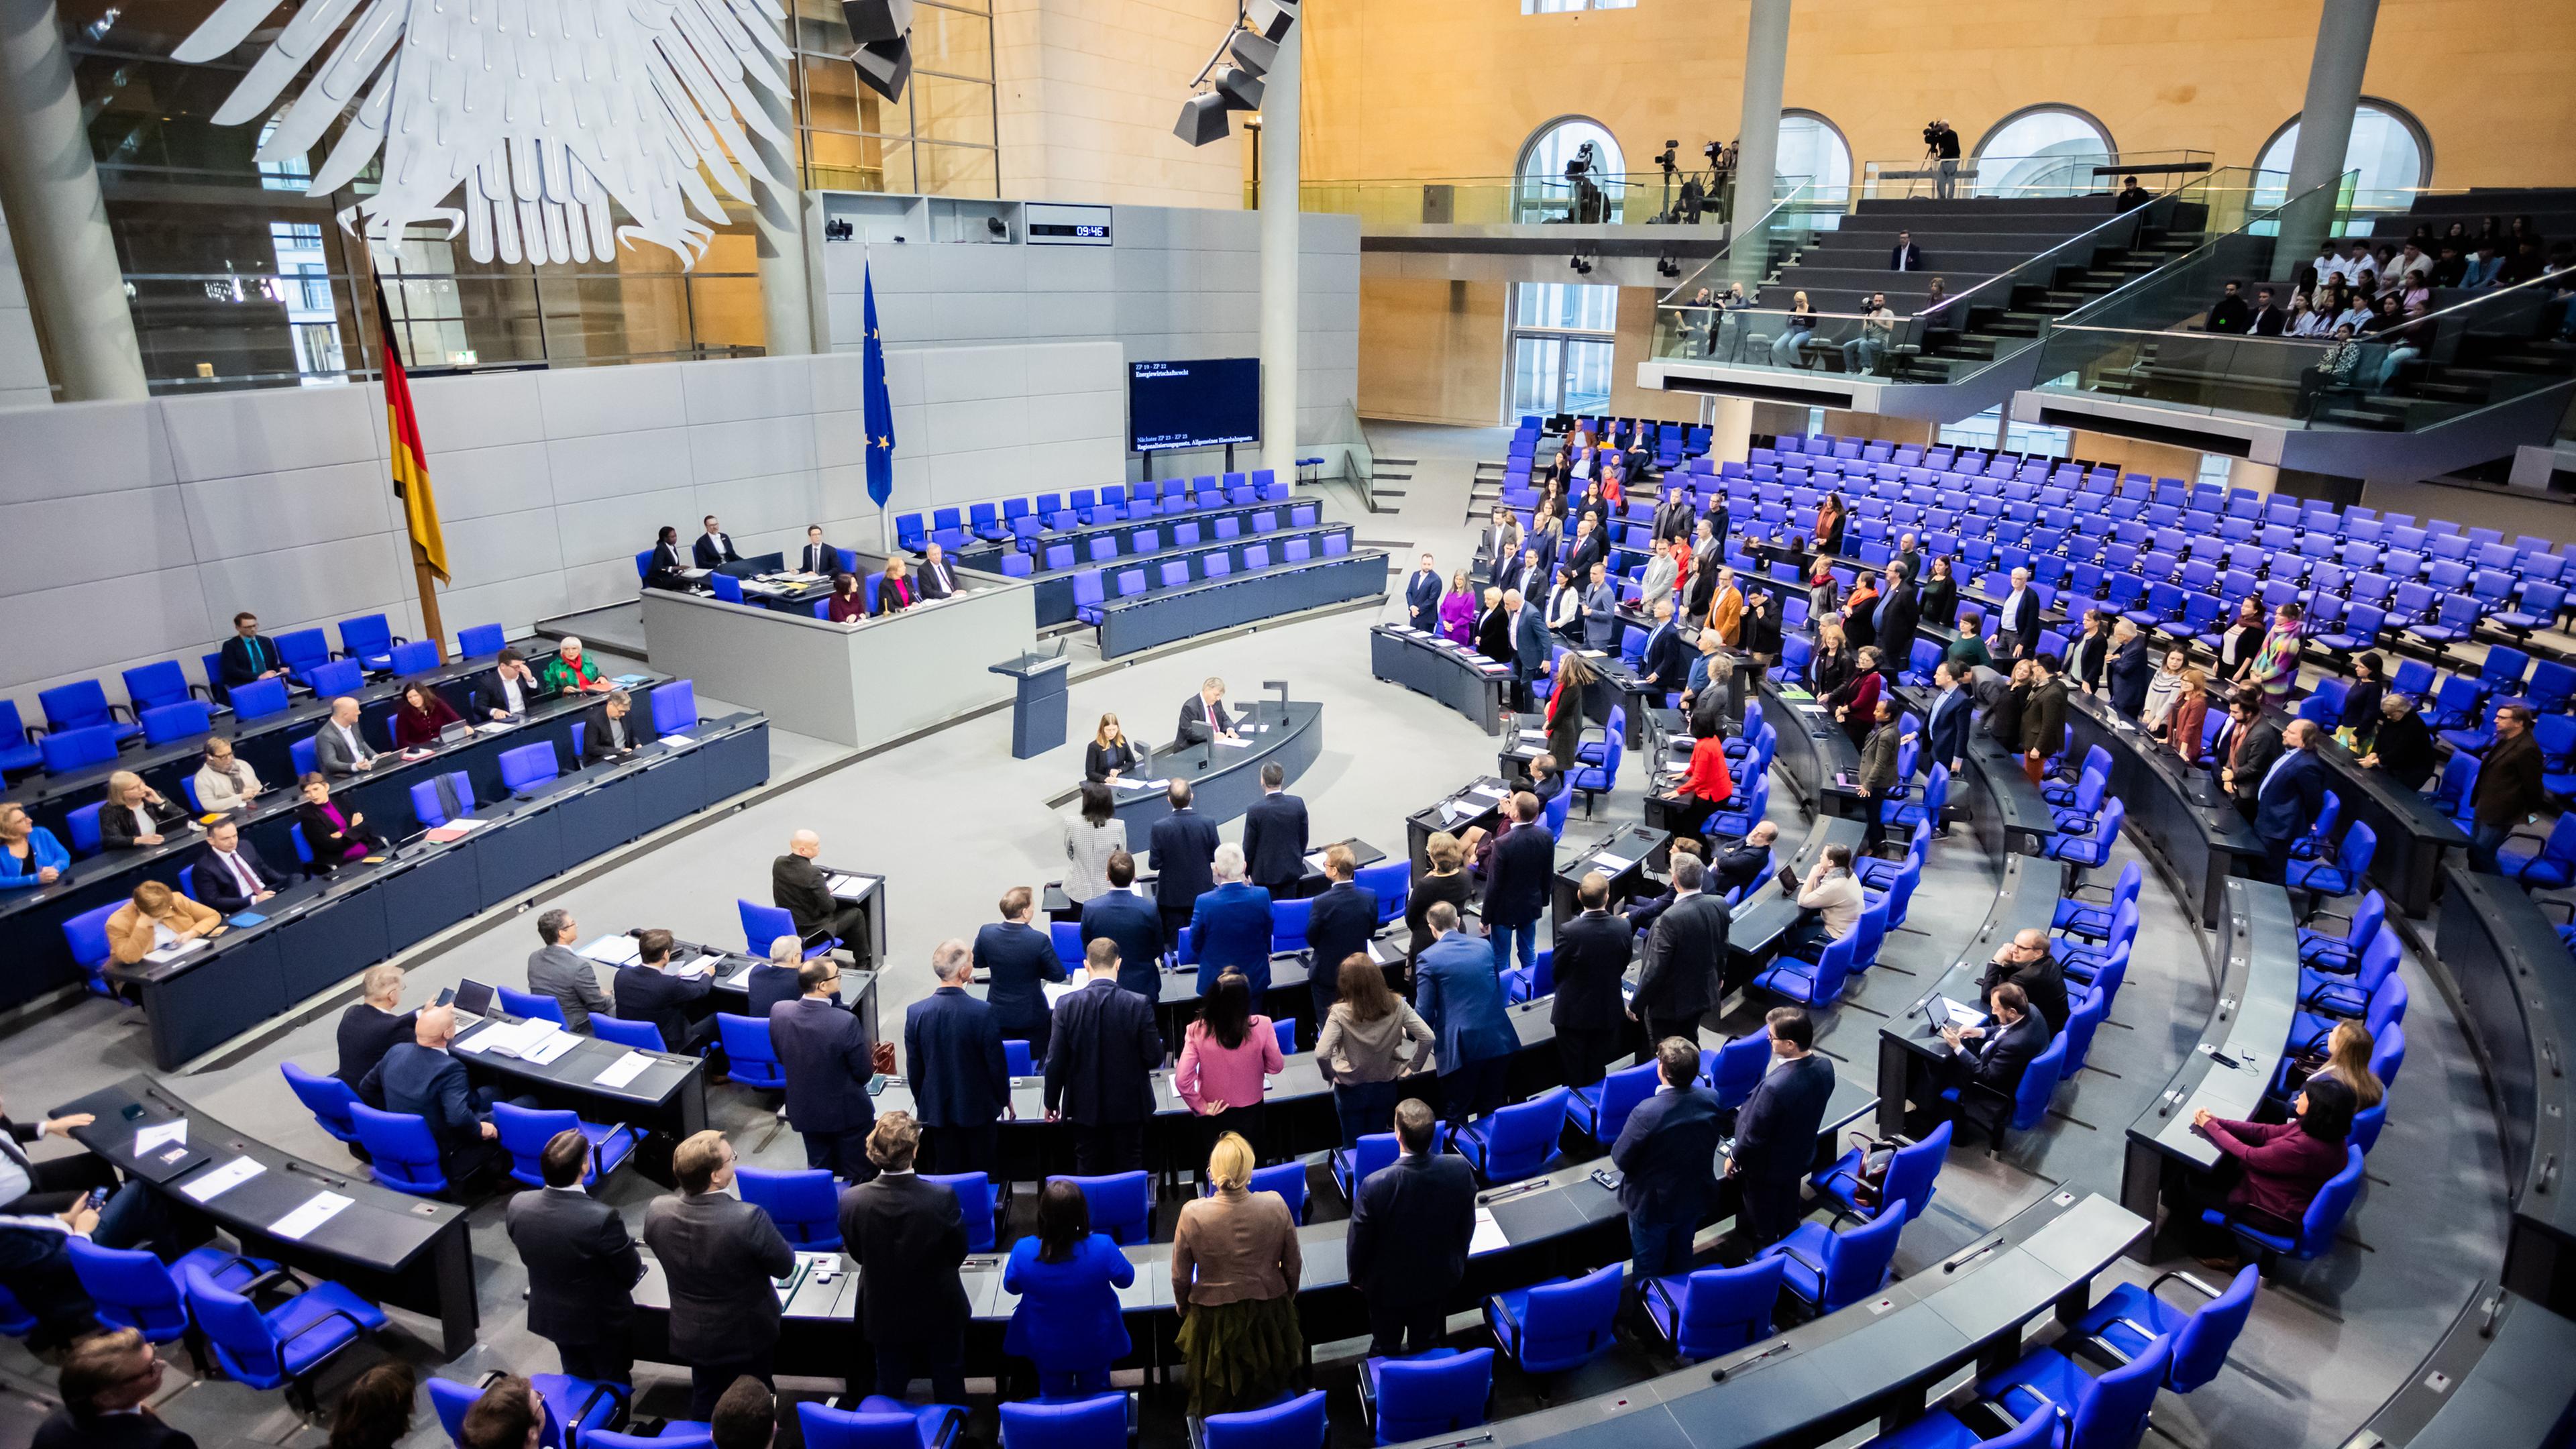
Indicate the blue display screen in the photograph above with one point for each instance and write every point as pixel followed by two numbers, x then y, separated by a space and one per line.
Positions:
pixel 1202 403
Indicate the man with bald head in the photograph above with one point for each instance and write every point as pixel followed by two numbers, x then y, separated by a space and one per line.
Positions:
pixel 2286 802
pixel 2026 962
pixel 798 887
pixel 340 750
pixel 422 1078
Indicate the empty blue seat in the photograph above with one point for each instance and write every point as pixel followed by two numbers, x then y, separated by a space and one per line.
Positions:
pixel 978 1203
pixel 83 705
pixel 1827 1270
pixel 480 640
pixel 1558 1324
pixel 529 766
pixel 2109 1412
pixel 68 751
pixel 1440 1392
pixel 414 656
pixel 335 677
pixel 327 1098
pixel 804 1202
pixel 1121 1204
pixel 150 686
pixel 369 640
pixel 1715 1311
pixel 528 1005
pixel 750 1057
pixel 402 1153
pixel 1098 1422
pixel 134 1289
pixel 283 1346
pixel 258 699
pixel 642 1036
pixel 442 798
pixel 2131 1317
pixel 1514 1142
pixel 1600 1110
pixel 1295 1422
pixel 877 1423
pixel 525 1133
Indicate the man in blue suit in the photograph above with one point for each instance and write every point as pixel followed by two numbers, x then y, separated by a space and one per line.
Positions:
pixel 1230 926
pixel 1533 650
pixel 1665 664
pixel 952 1046
pixel 2286 803
pixel 1667 1159
pixel 422 1078
pixel 1407 1242
pixel 647 991
pixel 1459 992
pixel 1133 924
pixel 1422 597
pixel 1775 1129
pixel 1338 924
pixel 1990 1061
pixel 1516 883
pixel 1274 837
pixel 1946 728
pixel 1017 959
pixel 1184 845
pixel 1099 1076
pixel 825 1055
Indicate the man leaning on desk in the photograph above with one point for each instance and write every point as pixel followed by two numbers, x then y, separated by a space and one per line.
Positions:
pixel 1203 717
pixel 422 1078
pixel 505 691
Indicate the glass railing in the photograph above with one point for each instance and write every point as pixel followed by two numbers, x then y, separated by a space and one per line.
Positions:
pixel 1800 209
pixel 2303 382
pixel 2183 289
pixel 2085 172
pixel 1600 200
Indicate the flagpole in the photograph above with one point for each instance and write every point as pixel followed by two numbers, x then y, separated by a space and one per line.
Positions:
pixel 885 510
pixel 429 619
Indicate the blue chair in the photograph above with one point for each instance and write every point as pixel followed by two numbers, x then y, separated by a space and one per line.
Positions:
pixel 1352 1166
pixel 1715 1310
pixel 302 651
pixel 2077 916
pixel 1121 1203
pixel 327 1098
pixel 479 640
pixel 150 686
pixel 134 1289
pixel 1529 983
pixel 1827 1270
pixel 284 1346
pixel 1941 1429
pixel 2080 853
pixel 1558 1324
pixel 980 1205
pixel 877 1423
pixel 2109 1412
pixel 1911 1174
pixel 1288 1179
pixel 675 706
pixel 18 750
pixel 2131 1318
pixel 1735 1069
pixel 334 677
pixel 2317 1227
pixel 804 1202
pixel 1289 1423
pixel 1393 882
pixel 402 1153
pixel 529 1005
pixel 369 640
pixel 68 751
pixel 1514 1142
pixel 413 656
pixel 676 1434
pixel 1593 781
pixel 82 704
pixel 751 1058
pixel 258 699
pixel 86 933
pixel 1811 983
pixel 529 766
pixel 1288 925
pixel 1600 1110
pixel 169 723
pixel 2342 875
pixel 1017 1060
pixel 525 1133
pixel 2552 866
pixel 729 589
pixel 1098 1422
pixel 642 1036
pixel 1440 1392
pixel 588 1405
pixel 302 759
pixel 764 924
pixel 429 804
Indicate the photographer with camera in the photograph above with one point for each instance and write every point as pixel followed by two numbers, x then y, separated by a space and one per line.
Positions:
pixel 1941 146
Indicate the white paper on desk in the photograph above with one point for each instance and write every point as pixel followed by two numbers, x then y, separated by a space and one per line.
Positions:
pixel 851 887
pixel 205 1186
pixel 618 950
pixel 463 825
pixel 168 954
pixel 623 1070
pixel 1126 784
pixel 1490 792
pixel 1533 734
pixel 1238 744
pixel 320 1208
pixel 550 1047
pixel 1488 1237
pixel 159 1134
pixel 677 742
pixel 1315 860
pixel 1057 991
pixel 496 727
pixel 741 980
pixel 1612 863
pixel 1594 653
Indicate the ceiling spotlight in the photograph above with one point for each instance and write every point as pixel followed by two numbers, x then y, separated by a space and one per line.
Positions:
pixel 1241 88
pixel 1666 266
pixel 877 19
pixel 1253 52
pixel 1581 267
pixel 1272 19
pixel 1202 119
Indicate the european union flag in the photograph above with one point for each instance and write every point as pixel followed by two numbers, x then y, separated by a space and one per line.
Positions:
pixel 880 409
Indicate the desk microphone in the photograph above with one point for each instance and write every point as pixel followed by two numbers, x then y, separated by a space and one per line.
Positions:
pixel 314 1172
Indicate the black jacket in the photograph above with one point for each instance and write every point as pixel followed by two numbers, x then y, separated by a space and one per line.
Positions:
pixel 488 694
pixel 798 887
pixel 2405 749
pixel 952 1046
pixel 1098 762
pixel 1668 1155
pixel 644 994
pixel 933 581
pixel 1945 728
pixel 1997 1060
pixel 1410 1225
pixel 597 741
pixel 1684 955
pixel 718 1253
pixel 2261 749
pixel 63 1429
pixel 244 660
pixel 819 558
pixel 1100 1062
pixel 1274 840
pixel 1592 955
pixel 1775 1129
pixel 2043 981
pixel 908 1238
pixel 1016 961
pixel 2129 671
pixel 1738 866
pixel 2229 314
pixel 220 889
pixel 1136 926
pixel 116 822
pixel 1194 726
pixel 328 842
pixel 1184 855
pixel 1899 611
pixel 712 549
pixel 824 1054
pixel 581 1265
pixel 663 572
pixel 1516 881
pixel 1338 924
pixel 366 1034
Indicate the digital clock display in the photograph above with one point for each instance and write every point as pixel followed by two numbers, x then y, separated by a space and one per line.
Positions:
pixel 1056 224
pixel 1081 229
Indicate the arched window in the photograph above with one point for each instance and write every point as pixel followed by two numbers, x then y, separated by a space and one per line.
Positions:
pixel 1814 152
pixel 2043 151
pixel 1544 192
pixel 2388 148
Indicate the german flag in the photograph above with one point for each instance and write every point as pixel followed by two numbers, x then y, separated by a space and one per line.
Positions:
pixel 410 460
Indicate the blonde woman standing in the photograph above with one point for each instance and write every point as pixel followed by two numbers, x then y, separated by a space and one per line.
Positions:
pixel 1235 1267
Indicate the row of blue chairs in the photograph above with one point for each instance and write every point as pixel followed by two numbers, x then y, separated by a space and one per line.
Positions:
pixel 1090 589
pixel 1028 518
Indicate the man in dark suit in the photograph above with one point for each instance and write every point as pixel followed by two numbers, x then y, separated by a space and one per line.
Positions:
pixel 1459 992
pixel 1274 838
pixel 1017 960
pixel 2043 716
pixel 1945 729
pixel 1512 572
pixel 936 578
pixel 1591 546
pixel 1685 956
pixel 2244 751
pixel 1989 1060
pixel 2229 313
pixel 718 1254
pixel 1775 1129
pixel 1676 517
pixel 647 991
pixel 1899 610
pixel 1406 1247
pixel 2267 320
pixel 1129 920
pixel 825 1055
pixel 2027 962
pixel 1743 863
pixel 1516 884
pixel 1203 716
pixel 505 690
pixel 1664 666
pixel 1338 925
pixel 798 887
pixel 609 731
pixel 961 1078
pixel 1601 621
pixel 1184 845
pixel 908 1237
pixel 422 1078
pixel 230 877
pixel 2512 785
pixel 714 547
pixel 581 1265
pixel 1533 649
pixel 776 980
pixel 1667 1159
pixel 1906 257
pixel 555 969
pixel 2287 797
pixel 818 557
pixel 2019 618
pixel 1230 927
pixel 1422 597
pixel 106 1379
pixel 249 656
pixel 371 1026
pixel 1592 955
pixel 1099 1073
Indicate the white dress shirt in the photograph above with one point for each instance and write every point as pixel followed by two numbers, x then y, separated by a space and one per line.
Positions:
pixel 240 872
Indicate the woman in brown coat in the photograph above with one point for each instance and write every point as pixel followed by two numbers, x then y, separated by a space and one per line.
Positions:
pixel 2190 711
pixel 157 916
pixel 1235 1266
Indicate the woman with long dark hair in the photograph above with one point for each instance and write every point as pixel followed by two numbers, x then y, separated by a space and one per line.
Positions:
pixel 1068 1277
pixel 2281 1167
pixel 1226 1056
pixel 1371 1039
pixel 420 716
pixel 1090 838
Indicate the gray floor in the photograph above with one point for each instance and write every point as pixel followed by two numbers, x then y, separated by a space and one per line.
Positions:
pixel 951 820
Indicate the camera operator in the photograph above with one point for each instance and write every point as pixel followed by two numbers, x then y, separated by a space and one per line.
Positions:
pixel 1941 145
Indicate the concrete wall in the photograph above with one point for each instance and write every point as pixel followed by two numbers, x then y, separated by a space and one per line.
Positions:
pixel 22 361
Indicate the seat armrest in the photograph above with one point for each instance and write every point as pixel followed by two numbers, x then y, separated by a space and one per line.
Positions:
pixel 1788 1251
pixel 2178 1275
pixel 341 1314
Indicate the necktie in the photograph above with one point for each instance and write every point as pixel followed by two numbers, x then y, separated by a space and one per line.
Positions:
pixel 241 874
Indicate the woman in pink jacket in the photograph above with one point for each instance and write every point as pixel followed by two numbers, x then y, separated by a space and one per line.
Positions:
pixel 1225 1056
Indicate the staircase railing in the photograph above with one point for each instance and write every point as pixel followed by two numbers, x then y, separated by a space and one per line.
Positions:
pixel 2065 173
pixel 1800 209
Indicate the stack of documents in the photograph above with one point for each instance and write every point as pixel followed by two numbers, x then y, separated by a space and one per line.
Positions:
pixel 613 951
pixel 526 1040
pixel 852 887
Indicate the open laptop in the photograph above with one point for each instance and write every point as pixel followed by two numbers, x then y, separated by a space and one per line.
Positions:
pixel 471 998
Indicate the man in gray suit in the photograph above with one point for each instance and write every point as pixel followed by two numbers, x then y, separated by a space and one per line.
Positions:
pixel 718 1254
pixel 340 750
pixel 557 970
pixel 581 1266
pixel 1600 610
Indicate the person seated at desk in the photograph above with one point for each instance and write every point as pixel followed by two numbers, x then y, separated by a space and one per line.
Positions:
pixel 422 1078
pixel 106 1380
pixel 714 547
pixel 1988 1061
pixel 371 1026
pixel 798 886
pixel 1016 960
pixel 582 1266
pixel 1643 911
pixel 1230 925
pixel 225 781
pixel 507 1415
pixel 230 876
pixel 30 856
pixel 1109 755
pixel 2280 1168
pixel 936 578
pixel 1203 717
pixel 647 991
pixel 846 605
pixel 823 1052
pixel 420 716
pixel 156 917
pixel 340 748
pixel 1829 900
pixel 2026 962
pixel 818 557
pixel 664 570
pixel 779 978
pixel 894 591
pixel 606 734
pixel 1740 865
pixel 335 836
pixel 505 691
pixel 569 670
pixel 135 816
pixel 248 656
pixel 1546 779
pixel 1067 1278
pixel 555 969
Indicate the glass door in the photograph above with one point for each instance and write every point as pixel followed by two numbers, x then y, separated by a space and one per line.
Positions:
pixel 1562 347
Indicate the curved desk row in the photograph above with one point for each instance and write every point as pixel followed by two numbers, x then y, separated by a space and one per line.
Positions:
pixel 1224 779
pixel 31 936
pixel 2179 820
pixel 1166 616
pixel 988 556
pixel 2413 831
pixel 318 933
pixel 2498 1379
pixel 1453 674
pixel 1055 586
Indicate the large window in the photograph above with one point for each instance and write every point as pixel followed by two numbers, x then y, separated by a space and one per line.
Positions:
pixel 1811 150
pixel 1561 344
pixel 1545 193
pixel 2388 149
pixel 2043 151
pixel 938 139
pixel 2031 440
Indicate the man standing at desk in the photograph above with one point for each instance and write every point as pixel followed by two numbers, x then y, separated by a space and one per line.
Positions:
pixel 936 578
pixel 961 1077
pixel 1274 837
pixel 422 1078
pixel 824 1054
pixel 718 1254
pixel 1100 1070
pixel 1775 1129
pixel 1184 845
pixel 1459 992
pixel 1131 922
pixel 340 751
pixel 714 548
pixel 505 691
pixel 2288 797
pixel 1407 1241
pixel 605 733
pixel 1338 926
pixel 1667 1159
pixel 1516 883
pixel 798 887
pixel 908 1239
pixel 582 1266
pixel 248 657
pixel 1422 597
pixel 1685 954
pixel 647 991
pixel 1592 955
pixel 559 971
pixel 1532 649
pixel 1017 959
pixel 1203 717
pixel 1231 927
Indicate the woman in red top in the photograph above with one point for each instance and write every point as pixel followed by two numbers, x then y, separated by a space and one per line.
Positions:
pixel 420 716
pixel 1708 781
pixel 2284 1165
pixel 1855 702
